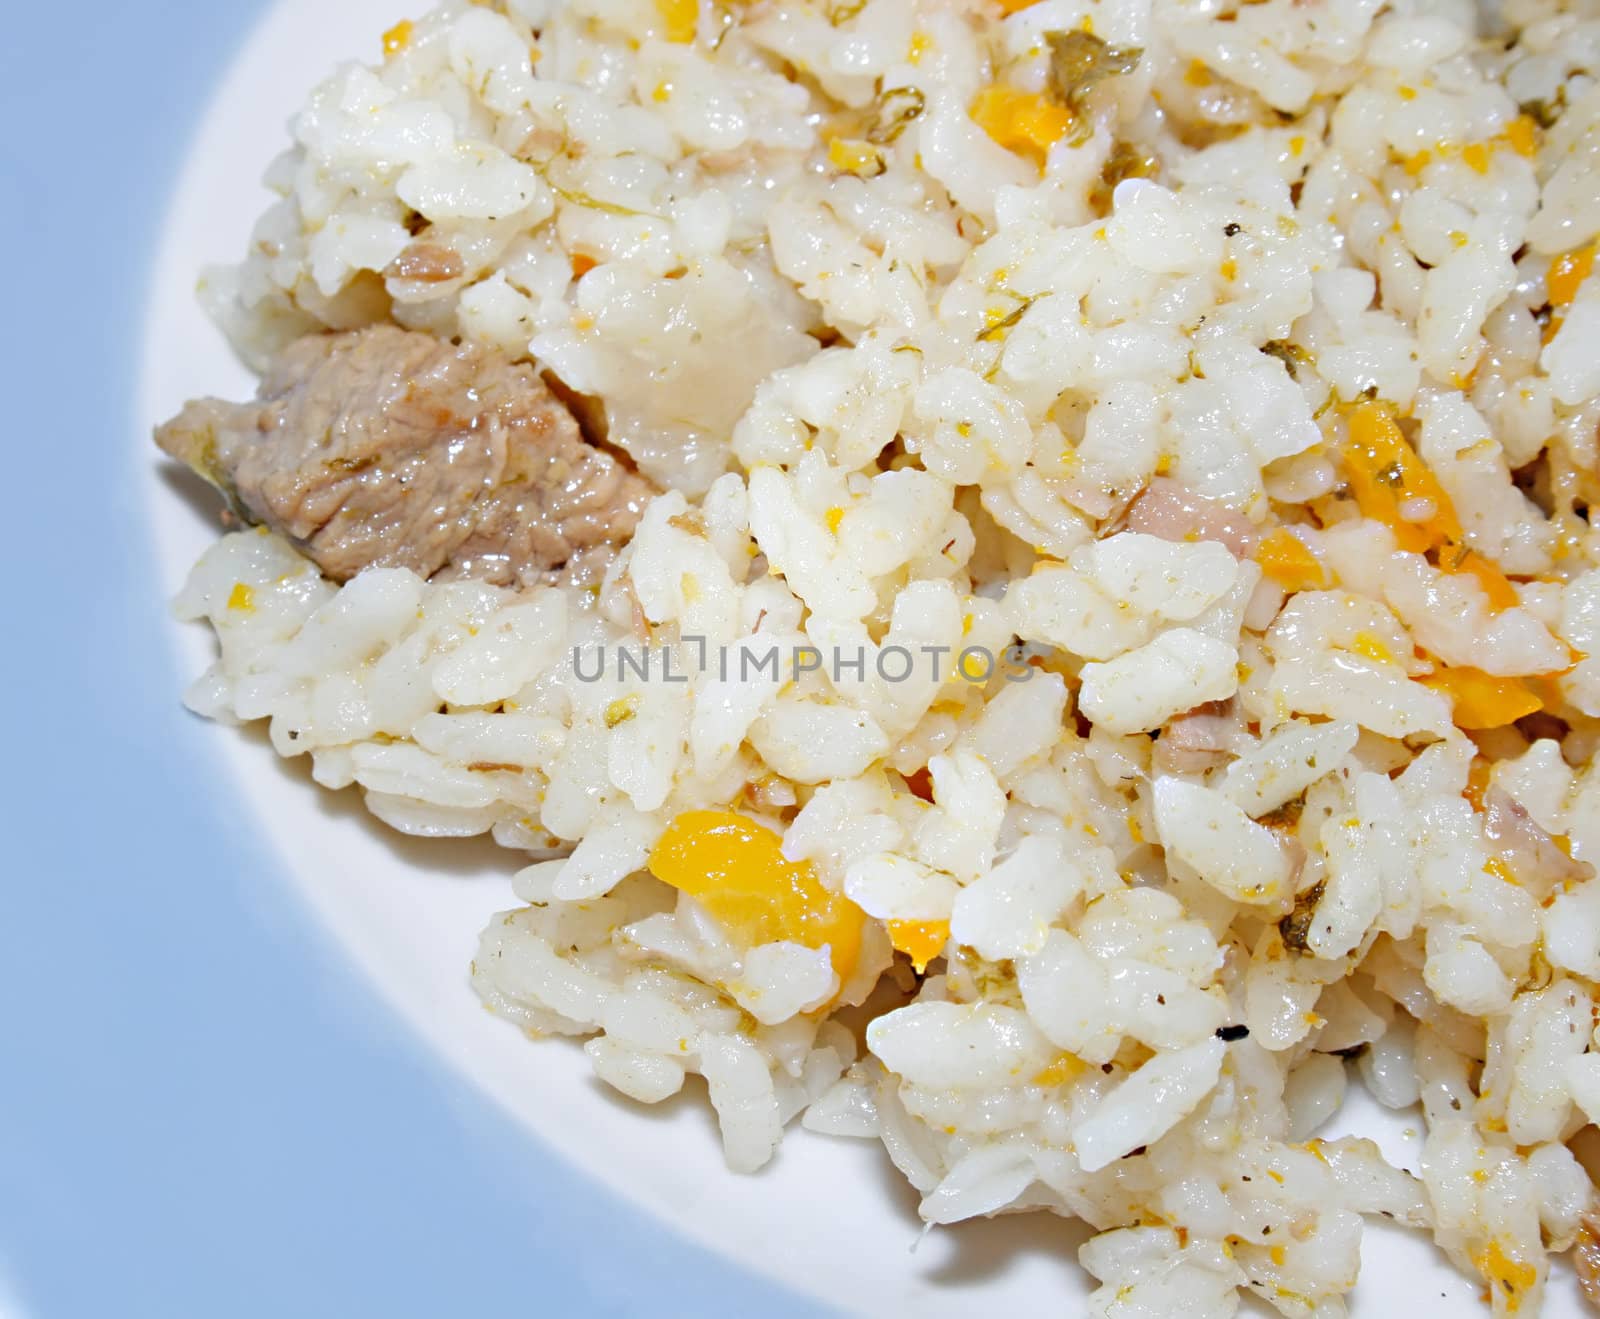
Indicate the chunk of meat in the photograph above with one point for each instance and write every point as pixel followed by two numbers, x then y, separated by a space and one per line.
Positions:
pixel 1197 740
pixel 1536 859
pixel 1174 512
pixel 387 447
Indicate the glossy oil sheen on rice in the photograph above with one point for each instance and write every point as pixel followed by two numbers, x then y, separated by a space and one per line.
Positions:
pixel 1221 383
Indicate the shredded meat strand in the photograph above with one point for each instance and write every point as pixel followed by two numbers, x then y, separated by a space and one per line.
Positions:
pixel 1173 512
pixel 1197 740
pixel 1533 855
pixel 427 263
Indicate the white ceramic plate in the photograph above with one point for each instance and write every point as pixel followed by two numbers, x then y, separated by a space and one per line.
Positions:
pixel 830 1220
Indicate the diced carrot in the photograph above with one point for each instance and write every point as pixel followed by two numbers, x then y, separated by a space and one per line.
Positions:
pixel 1015 6
pixel 1285 558
pixel 1510 1279
pixel 1385 473
pixel 736 869
pixel 1477 782
pixel 398 37
pixel 679 18
pixel 582 264
pixel 853 156
pixel 1502 594
pixel 1482 700
pixel 921 941
pixel 1547 686
pixel 1024 122
pixel 1523 135
pixel 1567 272
pixel 1370 647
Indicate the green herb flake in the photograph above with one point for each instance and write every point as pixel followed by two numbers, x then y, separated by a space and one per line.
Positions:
pixel 1296 926
pixel 1010 319
pixel 896 108
pixel 1292 355
pixel 1079 62
pixel 1128 160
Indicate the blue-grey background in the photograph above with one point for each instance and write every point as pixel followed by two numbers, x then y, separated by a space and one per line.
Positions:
pixel 200 1112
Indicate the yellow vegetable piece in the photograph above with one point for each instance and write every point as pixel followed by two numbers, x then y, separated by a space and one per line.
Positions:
pixel 1059 1070
pixel 1567 272
pixel 622 709
pixel 1482 700
pixel 1502 594
pixel 736 869
pixel 1523 135
pixel 921 941
pixel 1364 643
pixel 1313 1147
pixel 1024 122
pixel 1512 1278
pixel 679 18
pixel 1477 782
pixel 1013 6
pixel 1476 155
pixel 1284 558
pixel 242 598
pixel 855 157
pixel 398 37
pixel 1385 474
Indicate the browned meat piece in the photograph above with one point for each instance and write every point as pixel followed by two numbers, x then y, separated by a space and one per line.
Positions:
pixel 391 448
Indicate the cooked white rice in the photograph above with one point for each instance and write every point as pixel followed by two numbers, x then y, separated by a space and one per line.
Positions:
pixel 901 373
